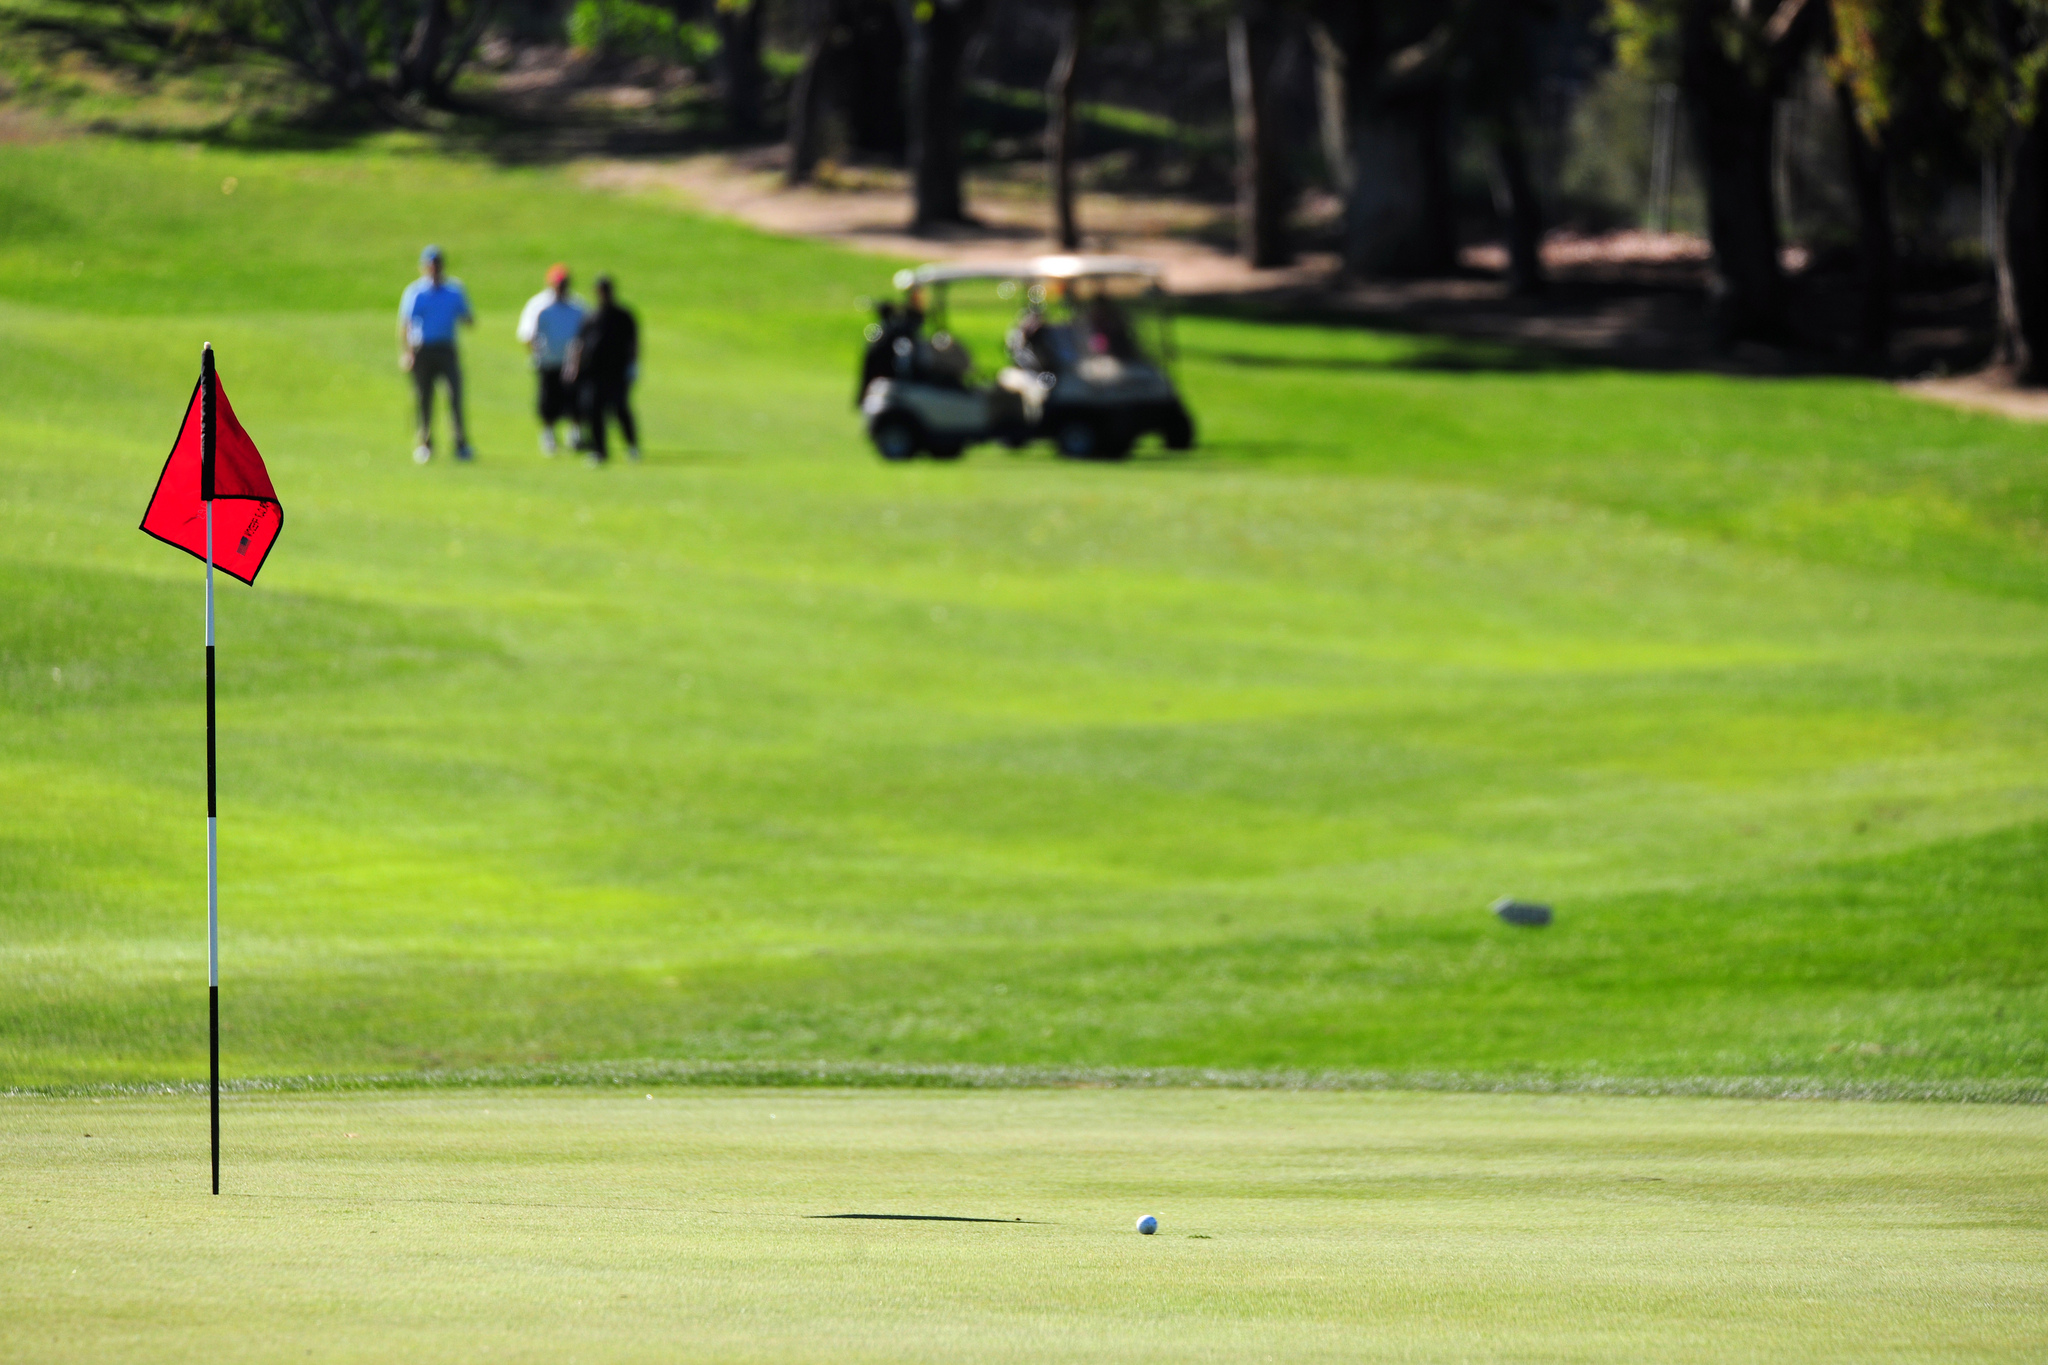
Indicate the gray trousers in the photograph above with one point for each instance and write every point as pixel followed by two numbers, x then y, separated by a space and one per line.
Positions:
pixel 437 360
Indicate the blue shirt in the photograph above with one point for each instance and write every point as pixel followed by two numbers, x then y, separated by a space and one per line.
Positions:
pixel 430 312
pixel 553 324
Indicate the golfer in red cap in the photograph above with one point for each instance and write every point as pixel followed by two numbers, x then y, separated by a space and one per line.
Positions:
pixel 548 324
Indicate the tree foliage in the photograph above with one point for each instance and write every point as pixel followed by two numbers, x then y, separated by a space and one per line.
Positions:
pixel 1974 72
pixel 1981 64
pixel 380 50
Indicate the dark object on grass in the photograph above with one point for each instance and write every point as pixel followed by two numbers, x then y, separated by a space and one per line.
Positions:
pixel 1528 914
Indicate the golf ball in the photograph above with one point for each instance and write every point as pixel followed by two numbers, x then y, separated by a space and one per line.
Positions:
pixel 1148 1225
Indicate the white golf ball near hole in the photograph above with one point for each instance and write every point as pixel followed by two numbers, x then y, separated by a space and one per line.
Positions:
pixel 1148 1225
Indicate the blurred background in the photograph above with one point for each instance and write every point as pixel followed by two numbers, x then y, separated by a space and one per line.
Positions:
pixel 1773 184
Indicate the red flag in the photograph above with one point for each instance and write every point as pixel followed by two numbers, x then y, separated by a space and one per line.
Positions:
pixel 246 523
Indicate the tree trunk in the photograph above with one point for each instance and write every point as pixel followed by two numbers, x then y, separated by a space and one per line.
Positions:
pixel 345 70
pixel 1059 124
pixel 1261 161
pixel 872 78
pixel 2022 255
pixel 1876 254
pixel 423 53
pixel 1379 216
pixel 456 54
pixel 807 95
pixel 741 77
pixel 398 34
pixel 1398 221
pixel 1437 248
pixel 1733 121
pixel 1332 110
pixel 1524 212
pixel 940 31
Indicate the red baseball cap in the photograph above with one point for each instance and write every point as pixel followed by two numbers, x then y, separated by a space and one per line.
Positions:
pixel 557 273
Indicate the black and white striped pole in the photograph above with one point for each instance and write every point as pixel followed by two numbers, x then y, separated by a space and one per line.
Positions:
pixel 207 388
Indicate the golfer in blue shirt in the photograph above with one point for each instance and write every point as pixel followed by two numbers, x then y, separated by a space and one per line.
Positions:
pixel 428 312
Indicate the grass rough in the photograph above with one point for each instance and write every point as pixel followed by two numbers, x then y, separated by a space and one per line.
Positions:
pixel 763 754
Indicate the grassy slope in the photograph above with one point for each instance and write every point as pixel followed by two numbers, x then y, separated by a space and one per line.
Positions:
pixel 764 750
pixel 488 1225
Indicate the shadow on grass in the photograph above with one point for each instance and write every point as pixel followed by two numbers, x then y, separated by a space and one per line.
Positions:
pixel 1448 357
pixel 923 1218
pixel 1619 315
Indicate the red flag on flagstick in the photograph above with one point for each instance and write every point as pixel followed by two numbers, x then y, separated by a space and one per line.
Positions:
pixel 242 535
pixel 213 460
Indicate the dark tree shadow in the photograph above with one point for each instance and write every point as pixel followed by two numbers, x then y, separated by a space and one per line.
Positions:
pixel 1630 316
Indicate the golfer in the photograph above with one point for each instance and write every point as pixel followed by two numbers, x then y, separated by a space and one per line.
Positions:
pixel 603 362
pixel 428 312
pixel 548 327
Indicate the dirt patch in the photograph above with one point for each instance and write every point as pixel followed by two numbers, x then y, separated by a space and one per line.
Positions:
pixel 20 127
pixel 867 209
pixel 1987 392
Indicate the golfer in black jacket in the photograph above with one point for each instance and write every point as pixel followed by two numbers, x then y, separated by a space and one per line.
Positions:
pixel 603 361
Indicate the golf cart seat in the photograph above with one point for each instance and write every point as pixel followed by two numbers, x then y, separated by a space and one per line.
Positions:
pixel 942 359
pixel 1051 347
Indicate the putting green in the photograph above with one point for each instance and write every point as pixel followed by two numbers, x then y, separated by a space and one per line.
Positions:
pixel 556 1226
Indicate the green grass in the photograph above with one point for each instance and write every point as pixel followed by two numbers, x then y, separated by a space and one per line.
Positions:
pixel 496 1225
pixel 765 751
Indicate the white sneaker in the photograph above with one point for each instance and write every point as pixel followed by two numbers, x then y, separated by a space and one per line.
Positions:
pixel 547 441
pixel 633 454
pixel 576 438
pixel 421 454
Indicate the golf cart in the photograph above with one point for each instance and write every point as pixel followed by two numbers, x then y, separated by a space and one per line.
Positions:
pixel 1088 353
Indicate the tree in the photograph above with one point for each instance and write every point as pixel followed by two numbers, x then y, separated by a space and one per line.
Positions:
pixel 1395 57
pixel 425 43
pixel 855 59
pixel 939 34
pixel 1086 23
pixel 384 52
pixel 1872 47
pixel 1982 67
pixel 1496 74
pixel 741 75
pixel 807 93
pixel 1059 122
pixel 1332 108
pixel 877 123
pixel 2021 246
pixel 1733 60
pixel 1255 36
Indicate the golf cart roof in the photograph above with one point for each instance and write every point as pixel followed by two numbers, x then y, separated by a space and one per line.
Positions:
pixel 1039 268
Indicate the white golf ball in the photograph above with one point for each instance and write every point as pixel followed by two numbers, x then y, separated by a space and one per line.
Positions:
pixel 1148 1225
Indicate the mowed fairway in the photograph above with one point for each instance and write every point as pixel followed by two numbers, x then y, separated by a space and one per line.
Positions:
pixel 494 1225
pixel 763 750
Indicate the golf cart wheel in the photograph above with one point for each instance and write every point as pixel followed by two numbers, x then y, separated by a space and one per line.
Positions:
pixel 1079 438
pixel 896 437
pixel 1178 430
pixel 946 449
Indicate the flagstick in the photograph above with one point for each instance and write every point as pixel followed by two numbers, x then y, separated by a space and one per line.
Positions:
pixel 207 387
